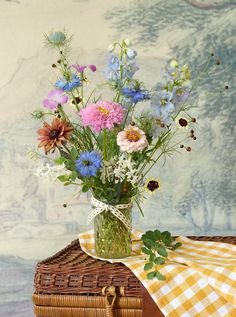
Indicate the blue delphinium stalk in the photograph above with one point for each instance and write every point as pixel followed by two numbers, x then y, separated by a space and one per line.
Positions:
pixel 88 163
pixel 68 84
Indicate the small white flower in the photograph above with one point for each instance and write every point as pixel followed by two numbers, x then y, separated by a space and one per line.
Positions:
pixel 51 172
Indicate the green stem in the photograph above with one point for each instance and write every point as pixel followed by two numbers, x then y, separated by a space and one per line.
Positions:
pixel 105 144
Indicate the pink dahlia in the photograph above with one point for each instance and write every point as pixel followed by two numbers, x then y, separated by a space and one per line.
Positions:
pixel 102 115
pixel 132 139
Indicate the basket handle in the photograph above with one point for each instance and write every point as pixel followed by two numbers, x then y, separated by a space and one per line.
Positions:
pixel 110 293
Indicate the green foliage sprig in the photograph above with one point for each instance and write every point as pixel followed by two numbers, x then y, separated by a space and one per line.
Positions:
pixel 156 244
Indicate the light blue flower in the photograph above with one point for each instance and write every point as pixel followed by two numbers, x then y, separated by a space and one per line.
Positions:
pixel 88 163
pixel 129 70
pixel 131 54
pixel 181 94
pixel 113 72
pixel 163 102
pixel 68 84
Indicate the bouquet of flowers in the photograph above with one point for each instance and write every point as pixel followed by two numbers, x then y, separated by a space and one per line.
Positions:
pixel 109 146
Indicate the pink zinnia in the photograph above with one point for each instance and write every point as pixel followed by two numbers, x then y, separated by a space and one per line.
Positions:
pixel 54 98
pixel 132 139
pixel 102 115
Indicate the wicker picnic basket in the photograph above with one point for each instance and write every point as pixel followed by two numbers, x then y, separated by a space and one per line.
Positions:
pixel 72 284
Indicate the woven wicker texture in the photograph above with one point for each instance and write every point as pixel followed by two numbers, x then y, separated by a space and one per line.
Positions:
pixel 69 283
pixel 71 271
pixel 66 305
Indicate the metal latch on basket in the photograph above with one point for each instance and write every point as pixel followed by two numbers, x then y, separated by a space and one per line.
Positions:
pixel 110 293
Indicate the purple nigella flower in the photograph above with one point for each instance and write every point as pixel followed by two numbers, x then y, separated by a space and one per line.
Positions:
pixel 88 163
pixel 70 84
pixel 81 68
pixel 54 98
pixel 136 95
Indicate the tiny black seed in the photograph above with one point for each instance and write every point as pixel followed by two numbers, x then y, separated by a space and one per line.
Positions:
pixel 194 138
pixel 218 62
pixel 54 65
pixel 182 146
pixel 194 119
pixel 212 54
pixel 226 87
pixel 188 148
pixel 64 205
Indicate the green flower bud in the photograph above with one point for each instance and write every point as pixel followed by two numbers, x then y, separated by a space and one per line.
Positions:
pixel 37 114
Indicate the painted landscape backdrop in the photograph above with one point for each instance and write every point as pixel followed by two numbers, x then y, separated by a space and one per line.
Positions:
pixel 198 188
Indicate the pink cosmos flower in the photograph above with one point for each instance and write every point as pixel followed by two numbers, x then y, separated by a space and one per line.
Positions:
pixel 54 98
pixel 81 68
pixel 102 115
pixel 132 139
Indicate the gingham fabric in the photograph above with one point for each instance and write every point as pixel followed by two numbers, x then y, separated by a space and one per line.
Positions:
pixel 200 276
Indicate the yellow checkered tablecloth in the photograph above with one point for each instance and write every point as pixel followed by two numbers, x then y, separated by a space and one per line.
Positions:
pixel 200 276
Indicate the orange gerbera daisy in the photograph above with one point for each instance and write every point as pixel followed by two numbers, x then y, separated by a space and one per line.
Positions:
pixel 54 134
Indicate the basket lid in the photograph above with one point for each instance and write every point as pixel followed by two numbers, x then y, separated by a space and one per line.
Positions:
pixel 71 271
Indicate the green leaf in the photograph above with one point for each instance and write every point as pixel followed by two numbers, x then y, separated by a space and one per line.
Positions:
pixel 60 160
pixel 151 257
pixel 151 275
pixel 63 178
pixel 162 251
pixel 159 276
pixel 159 260
pixel 148 235
pixel 148 266
pixel 85 188
pixel 146 251
pixel 176 245
pixel 73 175
pixel 148 243
pixel 74 153
pixel 67 183
pixel 157 234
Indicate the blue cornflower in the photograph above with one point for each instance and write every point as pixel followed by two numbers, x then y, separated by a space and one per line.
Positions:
pixel 163 102
pixel 88 163
pixel 70 84
pixel 136 95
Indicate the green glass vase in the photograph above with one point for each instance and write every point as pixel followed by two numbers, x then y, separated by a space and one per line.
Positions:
pixel 112 237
